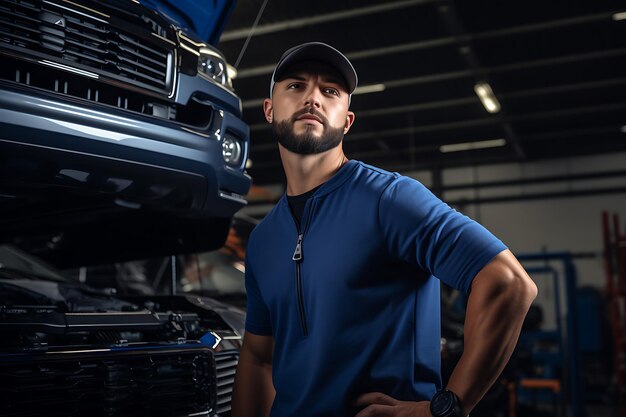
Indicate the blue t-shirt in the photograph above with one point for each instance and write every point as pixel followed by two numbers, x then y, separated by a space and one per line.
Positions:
pixel 359 310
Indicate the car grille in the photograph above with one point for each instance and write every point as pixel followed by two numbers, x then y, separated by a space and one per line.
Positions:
pixel 225 365
pixel 88 42
pixel 128 383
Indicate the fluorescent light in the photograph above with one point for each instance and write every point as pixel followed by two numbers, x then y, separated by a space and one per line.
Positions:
pixel 468 146
pixel 486 96
pixel 623 129
pixel 372 88
pixel 619 16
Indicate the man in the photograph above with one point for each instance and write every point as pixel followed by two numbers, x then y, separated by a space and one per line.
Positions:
pixel 343 304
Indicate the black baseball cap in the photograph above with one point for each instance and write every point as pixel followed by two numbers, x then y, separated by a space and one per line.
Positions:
pixel 319 52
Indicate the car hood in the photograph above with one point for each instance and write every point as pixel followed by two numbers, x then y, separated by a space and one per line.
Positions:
pixel 205 18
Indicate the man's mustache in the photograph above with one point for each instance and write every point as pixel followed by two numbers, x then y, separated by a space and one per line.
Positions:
pixel 309 110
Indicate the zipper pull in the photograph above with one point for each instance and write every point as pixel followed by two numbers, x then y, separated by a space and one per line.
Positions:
pixel 297 254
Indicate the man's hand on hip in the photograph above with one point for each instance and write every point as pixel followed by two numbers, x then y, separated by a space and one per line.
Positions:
pixel 378 404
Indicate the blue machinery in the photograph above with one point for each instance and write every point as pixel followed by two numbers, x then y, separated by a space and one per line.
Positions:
pixel 571 352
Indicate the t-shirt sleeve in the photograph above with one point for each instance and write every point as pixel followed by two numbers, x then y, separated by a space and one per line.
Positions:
pixel 421 229
pixel 257 313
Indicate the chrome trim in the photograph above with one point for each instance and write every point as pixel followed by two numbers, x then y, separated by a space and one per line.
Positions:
pixel 82 7
pixel 175 71
pixel 208 51
pixel 87 8
pixel 161 37
pixel 218 340
pixel 200 413
pixel 69 69
pixel 233 197
pixel 193 51
pixel 182 35
pixel 195 132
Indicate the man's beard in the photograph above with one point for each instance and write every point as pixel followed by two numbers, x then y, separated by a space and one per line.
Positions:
pixel 306 143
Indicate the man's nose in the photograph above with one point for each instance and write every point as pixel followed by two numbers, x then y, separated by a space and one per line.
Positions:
pixel 312 98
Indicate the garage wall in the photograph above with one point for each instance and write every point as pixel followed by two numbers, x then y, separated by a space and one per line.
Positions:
pixel 552 224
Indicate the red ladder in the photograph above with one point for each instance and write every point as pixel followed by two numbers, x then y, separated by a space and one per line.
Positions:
pixel 615 267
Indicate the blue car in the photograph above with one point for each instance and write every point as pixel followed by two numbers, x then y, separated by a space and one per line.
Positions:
pixel 120 133
pixel 121 139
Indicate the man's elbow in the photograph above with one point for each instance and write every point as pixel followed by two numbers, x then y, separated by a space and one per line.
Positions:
pixel 525 289
pixel 505 280
pixel 520 289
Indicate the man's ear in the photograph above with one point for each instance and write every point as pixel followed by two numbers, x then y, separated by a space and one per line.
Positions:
pixel 349 120
pixel 268 109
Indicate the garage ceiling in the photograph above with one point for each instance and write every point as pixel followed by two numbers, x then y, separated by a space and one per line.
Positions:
pixel 557 68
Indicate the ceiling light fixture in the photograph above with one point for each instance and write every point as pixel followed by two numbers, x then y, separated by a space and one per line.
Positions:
pixel 372 88
pixel 619 16
pixel 487 98
pixel 468 146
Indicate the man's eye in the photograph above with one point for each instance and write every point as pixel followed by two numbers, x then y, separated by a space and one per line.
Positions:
pixel 293 86
pixel 331 91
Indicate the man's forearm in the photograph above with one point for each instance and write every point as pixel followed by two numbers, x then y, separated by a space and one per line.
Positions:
pixel 253 392
pixel 497 305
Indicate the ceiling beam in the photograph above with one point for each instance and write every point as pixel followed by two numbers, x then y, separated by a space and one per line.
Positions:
pixel 423 79
pixel 565 88
pixel 551 24
pixel 596 130
pixel 444 41
pixel 567 59
pixel 517 66
pixel 322 18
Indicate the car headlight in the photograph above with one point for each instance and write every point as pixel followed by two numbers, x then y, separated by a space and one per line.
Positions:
pixel 232 150
pixel 212 66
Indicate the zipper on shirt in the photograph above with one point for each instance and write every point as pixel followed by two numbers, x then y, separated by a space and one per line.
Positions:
pixel 297 254
pixel 305 330
pixel 297 257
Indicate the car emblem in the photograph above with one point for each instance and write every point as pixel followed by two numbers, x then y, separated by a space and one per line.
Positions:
pixel 60 22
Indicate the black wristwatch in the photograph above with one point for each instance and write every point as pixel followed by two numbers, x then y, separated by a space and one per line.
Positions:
pixel 445 403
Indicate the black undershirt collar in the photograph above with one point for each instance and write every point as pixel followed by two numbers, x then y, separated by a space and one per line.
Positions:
pixel 298 202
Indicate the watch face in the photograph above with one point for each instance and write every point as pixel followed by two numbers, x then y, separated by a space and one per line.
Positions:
pixel 442 403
